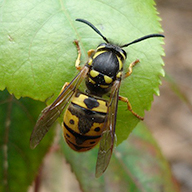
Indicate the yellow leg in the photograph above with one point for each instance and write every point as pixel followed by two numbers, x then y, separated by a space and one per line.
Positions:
pixel 90 52
pixel 77 63
pixel 130 69
pixel 124 99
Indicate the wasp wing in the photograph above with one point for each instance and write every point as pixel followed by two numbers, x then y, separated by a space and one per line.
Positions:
pixel 50 114
pixel 108 136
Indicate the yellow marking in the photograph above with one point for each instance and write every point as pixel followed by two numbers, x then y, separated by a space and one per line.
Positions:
pixel 94 73
pixel 91 81
pixel 66 119
pixel 102 106
pixel 96 125
pixel 98 53
pixel 100 47
pixel 118 75
pixel 122 55
pixel 120 63
pixel 80 101
pixel 90 61
pixel 104 86
pixel 107 79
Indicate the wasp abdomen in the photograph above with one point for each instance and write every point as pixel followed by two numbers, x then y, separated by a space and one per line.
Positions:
pixel 83 122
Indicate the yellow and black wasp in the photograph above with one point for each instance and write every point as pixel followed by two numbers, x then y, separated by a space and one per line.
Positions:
pixel 89 118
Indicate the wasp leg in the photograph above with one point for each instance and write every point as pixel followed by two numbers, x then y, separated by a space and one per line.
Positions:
pixel 77 63
pixel 90 52
pixel 124 99
pixel 130 69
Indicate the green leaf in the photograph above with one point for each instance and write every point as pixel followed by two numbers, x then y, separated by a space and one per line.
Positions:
pixel 18 163
pixel 137 165
pixel 37 53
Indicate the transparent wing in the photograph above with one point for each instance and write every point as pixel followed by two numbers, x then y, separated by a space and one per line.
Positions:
pixel 108 136
pixel 50 114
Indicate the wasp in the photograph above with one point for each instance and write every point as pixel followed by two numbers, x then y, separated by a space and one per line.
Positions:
pixel 90 118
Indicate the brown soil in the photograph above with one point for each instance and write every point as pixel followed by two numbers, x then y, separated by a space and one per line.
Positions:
pixel 170 118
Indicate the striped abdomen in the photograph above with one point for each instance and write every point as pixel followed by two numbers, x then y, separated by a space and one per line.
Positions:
pixel 83 122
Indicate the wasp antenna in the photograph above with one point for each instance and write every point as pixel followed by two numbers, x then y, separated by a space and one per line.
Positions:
pixel 142 38
pixel 93 27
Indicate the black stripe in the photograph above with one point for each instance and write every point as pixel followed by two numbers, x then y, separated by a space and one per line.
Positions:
pixel 84 137
pixel 87 110
pixel 78 148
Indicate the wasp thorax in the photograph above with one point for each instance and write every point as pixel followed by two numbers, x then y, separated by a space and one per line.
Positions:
pixel 106 63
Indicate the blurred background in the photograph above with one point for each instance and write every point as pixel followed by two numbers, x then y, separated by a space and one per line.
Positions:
pixel 170 118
